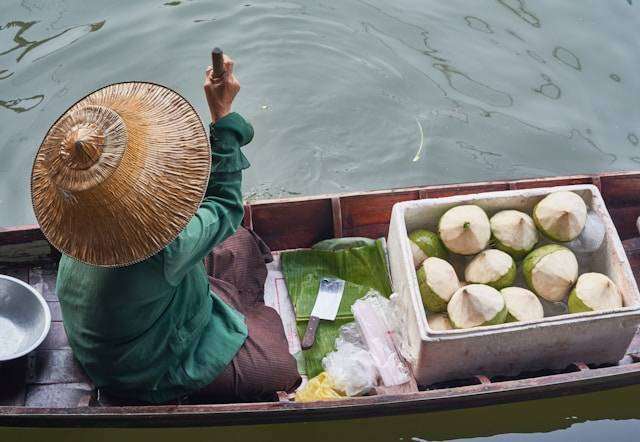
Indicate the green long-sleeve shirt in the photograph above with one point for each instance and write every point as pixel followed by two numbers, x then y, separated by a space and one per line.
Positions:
pixel 154 331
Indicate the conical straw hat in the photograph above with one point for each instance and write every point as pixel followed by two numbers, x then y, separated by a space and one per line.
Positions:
pixel 120 174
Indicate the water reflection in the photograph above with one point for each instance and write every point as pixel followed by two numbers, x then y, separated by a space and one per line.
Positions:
pixel 34 50
pixel 20 105
pixel 490 159
pixel 29 45
pixel 576 133
pixel 519 8
pixel 549 89
pixel 567 57
pixel 478 24
pixel 434 80
pixel 514 34
pixel 464 84
pixel 533 54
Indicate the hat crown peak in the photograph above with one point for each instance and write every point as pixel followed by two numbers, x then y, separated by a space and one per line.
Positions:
pixel 83 146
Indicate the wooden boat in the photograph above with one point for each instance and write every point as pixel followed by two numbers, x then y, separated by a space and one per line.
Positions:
pixel 48 388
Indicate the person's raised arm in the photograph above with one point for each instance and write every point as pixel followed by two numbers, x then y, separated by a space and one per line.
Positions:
pixel 221 210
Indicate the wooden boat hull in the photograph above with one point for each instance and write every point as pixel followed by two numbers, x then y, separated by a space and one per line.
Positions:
pixel 50 374
pixel 584 381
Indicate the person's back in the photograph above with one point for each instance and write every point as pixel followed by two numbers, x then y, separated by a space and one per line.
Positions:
pixel 128 326
pixel 143 317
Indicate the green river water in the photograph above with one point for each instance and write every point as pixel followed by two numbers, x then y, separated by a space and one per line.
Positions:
pixel 356 95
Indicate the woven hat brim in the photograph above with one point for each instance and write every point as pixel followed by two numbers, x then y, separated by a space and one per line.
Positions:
pixel 148 199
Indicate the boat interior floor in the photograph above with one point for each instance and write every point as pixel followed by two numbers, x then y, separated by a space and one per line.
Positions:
pixel 50 376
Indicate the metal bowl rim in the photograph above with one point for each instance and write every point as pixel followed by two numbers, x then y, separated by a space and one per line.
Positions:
pixel 47 318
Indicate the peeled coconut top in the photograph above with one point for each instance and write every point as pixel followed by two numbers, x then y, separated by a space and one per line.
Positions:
pixel 598 292
pixel 561 215
pixel 439 321
pixel 522 304
pixel 488 266
pixel 555 273
pixel 514 229
pixel 474 304
pixel 465 229
pixel 441 277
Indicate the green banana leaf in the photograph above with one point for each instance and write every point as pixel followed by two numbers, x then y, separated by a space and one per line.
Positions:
pixel 363 268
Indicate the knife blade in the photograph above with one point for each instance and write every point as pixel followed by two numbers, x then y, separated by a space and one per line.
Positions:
pixel 325 308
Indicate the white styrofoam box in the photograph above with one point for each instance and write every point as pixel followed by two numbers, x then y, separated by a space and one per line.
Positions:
pixel 511 348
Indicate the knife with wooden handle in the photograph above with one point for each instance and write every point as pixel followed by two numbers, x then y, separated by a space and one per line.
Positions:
pixel 325 308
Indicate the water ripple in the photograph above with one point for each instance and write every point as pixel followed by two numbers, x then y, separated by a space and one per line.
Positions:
pixel 478 24
pixel 519 8
pixel 567 57
pixel 549 89
pixel 335 90
pixel 20 105
pixel 59 40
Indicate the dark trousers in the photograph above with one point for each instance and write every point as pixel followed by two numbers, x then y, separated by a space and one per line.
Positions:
pixel 263 365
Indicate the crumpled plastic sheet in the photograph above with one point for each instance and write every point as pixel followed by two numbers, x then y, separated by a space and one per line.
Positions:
pixel 351 369
pixel 318 389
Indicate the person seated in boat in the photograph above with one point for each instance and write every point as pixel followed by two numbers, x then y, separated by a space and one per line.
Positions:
pixel 126 187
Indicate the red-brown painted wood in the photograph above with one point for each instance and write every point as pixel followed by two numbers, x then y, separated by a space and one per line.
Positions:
pixel 464 189
pixel 551 182
pixel 21 234
pixel 293 225
pixel 368 215
pixel 621 189
pixel 624 218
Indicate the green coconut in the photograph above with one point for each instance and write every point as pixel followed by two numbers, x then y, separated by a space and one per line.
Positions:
pixel 465 229
pixel 561 215
pixel 514 232
pixel 522 304
pixel 594 291
pixel 476 304
pixel 424 244
pixel 437 281
pixel 439 322
pixel 550 271
pixel 492 267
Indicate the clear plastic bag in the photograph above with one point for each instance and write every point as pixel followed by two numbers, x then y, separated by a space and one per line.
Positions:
pixel 351 369
pixel 396 318
pixel 370 313
pixel 350 333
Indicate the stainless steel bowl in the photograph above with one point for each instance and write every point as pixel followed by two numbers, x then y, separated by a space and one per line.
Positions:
pixel 24 318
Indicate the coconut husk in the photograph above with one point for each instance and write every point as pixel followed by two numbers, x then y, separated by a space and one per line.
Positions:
pixel 120 174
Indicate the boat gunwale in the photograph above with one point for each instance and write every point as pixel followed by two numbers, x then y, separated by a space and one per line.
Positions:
pixel 582 381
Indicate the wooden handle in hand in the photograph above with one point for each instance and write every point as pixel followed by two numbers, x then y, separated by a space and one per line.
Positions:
pixel 310 333
pixel 217 62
